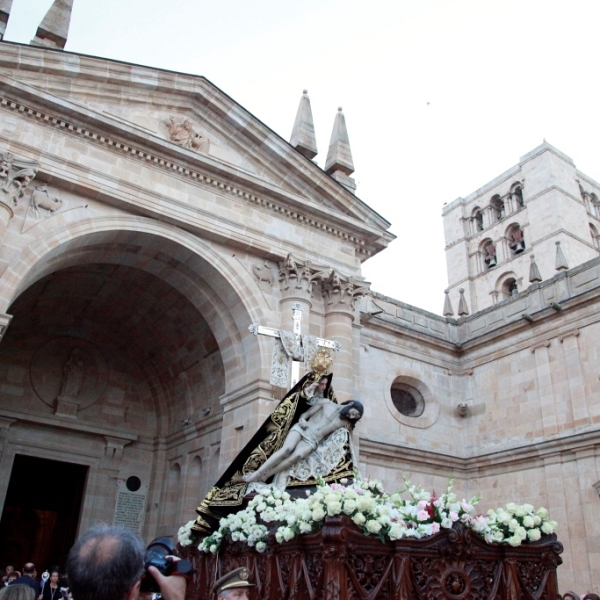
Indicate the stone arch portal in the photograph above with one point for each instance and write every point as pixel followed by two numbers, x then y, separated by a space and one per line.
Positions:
pixel 202 275
pixel 127 334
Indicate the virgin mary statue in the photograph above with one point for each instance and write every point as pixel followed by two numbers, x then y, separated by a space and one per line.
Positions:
pixel 331 461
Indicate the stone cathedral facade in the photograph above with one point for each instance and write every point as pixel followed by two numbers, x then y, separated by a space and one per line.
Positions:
pixel 147 221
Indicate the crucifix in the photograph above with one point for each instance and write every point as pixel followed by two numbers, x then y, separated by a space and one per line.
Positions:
pixel 297 332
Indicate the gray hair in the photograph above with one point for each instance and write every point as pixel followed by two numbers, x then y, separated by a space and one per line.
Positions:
pixel 17 591
pixel 105 563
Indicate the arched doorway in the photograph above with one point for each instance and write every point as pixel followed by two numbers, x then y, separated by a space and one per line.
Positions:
pixel 120 342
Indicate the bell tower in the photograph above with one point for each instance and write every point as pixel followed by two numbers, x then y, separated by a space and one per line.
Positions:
pixel 532 221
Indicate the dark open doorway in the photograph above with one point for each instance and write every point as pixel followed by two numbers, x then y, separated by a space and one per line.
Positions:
pixel 41 512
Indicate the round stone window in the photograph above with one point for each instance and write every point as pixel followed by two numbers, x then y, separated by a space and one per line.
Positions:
pixel 407 400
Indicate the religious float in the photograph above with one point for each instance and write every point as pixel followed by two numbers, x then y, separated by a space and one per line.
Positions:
pixel 354 541
pixel 294 510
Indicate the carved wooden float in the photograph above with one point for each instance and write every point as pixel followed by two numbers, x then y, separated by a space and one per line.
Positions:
pixel 339 562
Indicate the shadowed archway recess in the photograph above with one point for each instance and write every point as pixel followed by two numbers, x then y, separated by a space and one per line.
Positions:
pixel 160 360
pixel 211 278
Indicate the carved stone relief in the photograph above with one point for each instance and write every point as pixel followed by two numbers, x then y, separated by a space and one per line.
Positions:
pixel 264 274
pixel 45 203
pixel 42 203
pixel 15 176
pixel 183 134
pixel 69 374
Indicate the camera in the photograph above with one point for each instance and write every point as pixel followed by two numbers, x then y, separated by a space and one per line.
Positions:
pixel 159 554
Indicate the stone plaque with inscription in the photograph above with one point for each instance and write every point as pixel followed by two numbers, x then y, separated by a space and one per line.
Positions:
pixel 130 508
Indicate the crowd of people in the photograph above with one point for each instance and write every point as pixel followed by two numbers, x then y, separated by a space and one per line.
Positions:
pixel 107 563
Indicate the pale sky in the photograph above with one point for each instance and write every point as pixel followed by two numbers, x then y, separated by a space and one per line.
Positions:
pixel 440 96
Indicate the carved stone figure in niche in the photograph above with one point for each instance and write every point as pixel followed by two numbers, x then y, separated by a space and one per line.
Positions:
pixel 72 375
pixel 185 136
pixel 517 243
pixel 41 199
pixel 15 176
pixel 490 255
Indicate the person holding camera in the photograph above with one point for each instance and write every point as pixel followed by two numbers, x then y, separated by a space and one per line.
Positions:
pixel 107 563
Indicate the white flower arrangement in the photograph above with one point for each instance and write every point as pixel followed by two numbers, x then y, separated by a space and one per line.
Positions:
pixel 515 524
pixel 387 516
pixel 185 535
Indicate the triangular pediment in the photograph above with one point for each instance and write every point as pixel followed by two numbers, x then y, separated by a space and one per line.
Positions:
pixel 184 116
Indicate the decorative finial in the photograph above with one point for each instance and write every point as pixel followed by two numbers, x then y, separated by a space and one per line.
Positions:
pixel 463 309
pixel 303 134
pixel 561 262
pixel 534 272
pixel 448 311
pixel 4 15
pixel 54 28
pixel 339 164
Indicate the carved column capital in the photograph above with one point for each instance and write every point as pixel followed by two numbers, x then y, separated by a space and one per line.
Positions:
pixel 340 293
pixel 298 277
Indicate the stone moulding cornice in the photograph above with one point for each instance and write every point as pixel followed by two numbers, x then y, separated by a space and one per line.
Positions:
pixel 389 324
pixel 367 235
pixel 139 80
pixel 483 464
pixel 75 425
pixel 326 223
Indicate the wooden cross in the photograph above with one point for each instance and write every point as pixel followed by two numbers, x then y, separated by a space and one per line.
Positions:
pixel 297 331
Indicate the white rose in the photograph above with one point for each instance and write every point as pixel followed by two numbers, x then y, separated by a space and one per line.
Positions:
pixel 305 527
pixel 528 521
pixel 359 518
pixel 396 531
pixel 547 527
pixel 373 526
pixel 521 511
pixel 349 506
pixel 334 508
pixel 261 546
pixel 542 513
pixel 318 514
pixel 534 535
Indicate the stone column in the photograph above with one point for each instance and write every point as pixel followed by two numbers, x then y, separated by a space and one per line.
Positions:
pixel 338 298
pixel 295 280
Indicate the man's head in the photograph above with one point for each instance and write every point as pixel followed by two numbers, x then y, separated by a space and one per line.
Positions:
pixel 234 585
pixel 353 411
pixel 9 569
pixel 29 569
pixel 106 563
pixel 17 591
